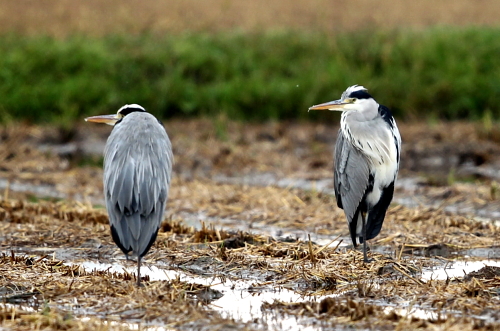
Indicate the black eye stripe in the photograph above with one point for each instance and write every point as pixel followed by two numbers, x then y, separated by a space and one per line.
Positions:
pixel 360 95
pixel 131 109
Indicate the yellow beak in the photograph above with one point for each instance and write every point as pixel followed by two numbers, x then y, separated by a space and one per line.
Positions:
pixel 332 105
pixel 106 119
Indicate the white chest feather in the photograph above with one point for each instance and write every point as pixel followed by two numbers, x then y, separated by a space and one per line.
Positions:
pixel 381 146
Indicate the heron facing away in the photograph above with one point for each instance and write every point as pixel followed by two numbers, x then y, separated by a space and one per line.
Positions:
pixel 366 162
pixel 137 171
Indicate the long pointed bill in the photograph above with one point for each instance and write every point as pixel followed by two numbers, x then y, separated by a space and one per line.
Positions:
pixel 332 105
pixel 107 119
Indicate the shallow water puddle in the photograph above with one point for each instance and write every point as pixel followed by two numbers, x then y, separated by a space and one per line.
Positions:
pixel 419 313
pixel 240 300
pixel 455 269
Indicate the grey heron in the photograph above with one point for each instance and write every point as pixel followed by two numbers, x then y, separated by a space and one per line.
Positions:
pixel 137 171
pixel 367 156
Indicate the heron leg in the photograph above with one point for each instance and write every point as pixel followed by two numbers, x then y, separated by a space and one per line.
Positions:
pixel 365 256
pixel 138 271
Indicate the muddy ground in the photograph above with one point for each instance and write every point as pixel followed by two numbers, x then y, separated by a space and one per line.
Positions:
pixel 252 238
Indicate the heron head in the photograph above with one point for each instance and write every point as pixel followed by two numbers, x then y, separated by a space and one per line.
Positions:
pixel 354 98
pixel 114 118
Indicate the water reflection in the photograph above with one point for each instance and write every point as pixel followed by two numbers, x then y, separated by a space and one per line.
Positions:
pixel 457 269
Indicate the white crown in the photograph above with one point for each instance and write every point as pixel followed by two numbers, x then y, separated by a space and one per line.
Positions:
pixel 132 105
pixel 352 89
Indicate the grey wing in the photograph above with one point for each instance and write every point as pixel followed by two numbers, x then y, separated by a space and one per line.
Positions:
pixel 351 176
pixel 136 184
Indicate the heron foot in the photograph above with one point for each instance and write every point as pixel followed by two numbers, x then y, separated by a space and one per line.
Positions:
pixel 367 260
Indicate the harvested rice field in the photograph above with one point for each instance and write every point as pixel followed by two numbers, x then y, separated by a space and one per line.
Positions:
pixel 94 17
pixel 252 239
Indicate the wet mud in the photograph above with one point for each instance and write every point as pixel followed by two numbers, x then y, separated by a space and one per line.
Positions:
pixel 252 238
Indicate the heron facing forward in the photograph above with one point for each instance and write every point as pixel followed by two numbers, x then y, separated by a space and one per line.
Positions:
pixel 367 156
pixel 137 172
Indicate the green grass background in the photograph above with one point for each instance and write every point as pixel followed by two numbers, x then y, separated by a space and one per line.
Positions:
pixel 449 73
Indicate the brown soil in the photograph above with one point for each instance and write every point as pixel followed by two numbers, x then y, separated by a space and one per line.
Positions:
pixel 413 239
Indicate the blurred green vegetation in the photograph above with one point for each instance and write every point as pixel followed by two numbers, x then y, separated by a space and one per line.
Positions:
pixel 449 73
